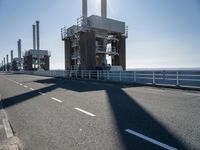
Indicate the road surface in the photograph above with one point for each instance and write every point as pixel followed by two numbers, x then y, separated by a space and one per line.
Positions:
pixel 59 114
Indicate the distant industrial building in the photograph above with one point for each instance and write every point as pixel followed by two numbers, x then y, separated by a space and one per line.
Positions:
pixel 36 59
pixel 95 40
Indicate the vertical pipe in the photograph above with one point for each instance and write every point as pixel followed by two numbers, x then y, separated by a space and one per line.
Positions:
pixel 11 56
pixel 38 34
pixel 7 59
pixel 34 37
pixel 104 8
pixel 19 48
pixel 7 68
pixel 4 64
pixel 84 8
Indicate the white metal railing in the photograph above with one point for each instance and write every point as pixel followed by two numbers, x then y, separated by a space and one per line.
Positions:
pixel 183 78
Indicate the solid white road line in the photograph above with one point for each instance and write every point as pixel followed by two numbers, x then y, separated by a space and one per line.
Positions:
pixel 32 89
pixel 41 93
pixel 88 113
pixel 192 94
pixel 156 90
pixel 25 86
pixel 12 80
pixel 150 140
pixel 55 99
pixel 8 129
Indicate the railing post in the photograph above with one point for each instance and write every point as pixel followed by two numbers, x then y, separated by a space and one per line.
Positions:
pixel 76 75
pixel 81 74
pixel 89 75
pixel 120 76
pixel 97 75
pixel 135 79
pixel 153 78
pixel 177 78
pixel 70 74
pixel 107 75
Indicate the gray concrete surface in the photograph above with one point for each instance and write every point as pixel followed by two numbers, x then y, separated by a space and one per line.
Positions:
pixel 168 116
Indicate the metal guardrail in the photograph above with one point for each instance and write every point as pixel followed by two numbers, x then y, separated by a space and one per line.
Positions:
pixel 178 78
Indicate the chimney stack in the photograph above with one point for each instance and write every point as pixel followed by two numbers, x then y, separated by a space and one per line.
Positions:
pixel 104 8
pixel 7 59
pixel 19 48
pixel 34 37
pixel 4 61
pixel 11 56
pixel 84 9
pixel 38 36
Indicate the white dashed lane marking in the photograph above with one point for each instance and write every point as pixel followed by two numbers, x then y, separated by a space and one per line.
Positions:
pixel 150 140
pixel 41 93
pixel 83 111
pixel 55 99
pixel 192 94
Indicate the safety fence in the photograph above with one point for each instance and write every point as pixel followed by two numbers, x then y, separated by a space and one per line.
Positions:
pixel 178 78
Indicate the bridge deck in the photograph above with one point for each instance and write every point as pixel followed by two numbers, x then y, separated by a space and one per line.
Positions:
pixel 52 113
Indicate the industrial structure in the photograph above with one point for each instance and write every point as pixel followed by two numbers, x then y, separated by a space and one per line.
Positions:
pixel 17 62
pixel 36 59
pixel 94 40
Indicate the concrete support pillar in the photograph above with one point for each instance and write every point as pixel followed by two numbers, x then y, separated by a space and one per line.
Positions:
pixel 67 54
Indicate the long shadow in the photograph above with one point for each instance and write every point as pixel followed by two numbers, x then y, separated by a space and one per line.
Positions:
pixel 129 115
pixel 10 101
pixel 126 112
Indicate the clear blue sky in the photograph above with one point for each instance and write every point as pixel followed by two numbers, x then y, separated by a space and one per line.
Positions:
pixel 162 33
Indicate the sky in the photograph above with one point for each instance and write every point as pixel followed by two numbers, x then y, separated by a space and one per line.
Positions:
pixel 162 33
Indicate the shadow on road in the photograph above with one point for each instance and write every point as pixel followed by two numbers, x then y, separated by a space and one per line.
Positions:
pixel 126 112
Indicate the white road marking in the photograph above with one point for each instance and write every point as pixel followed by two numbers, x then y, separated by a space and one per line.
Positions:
pixel 55 99
pixel 1 126
pixel 32 89
pixel 14 147
pixel 25 86
pixel 41 93
pixel 8 129
pixel 156 90
pixel 88 113
pixel 150 140
pixel 12 80
pixel 20 84
pixel 192 94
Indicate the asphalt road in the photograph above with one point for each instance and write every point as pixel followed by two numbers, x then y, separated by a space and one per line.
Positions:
pixel 59 114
